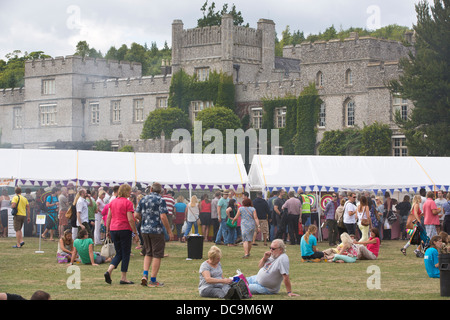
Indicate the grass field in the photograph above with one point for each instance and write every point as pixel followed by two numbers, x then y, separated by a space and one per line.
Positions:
pixel 22 271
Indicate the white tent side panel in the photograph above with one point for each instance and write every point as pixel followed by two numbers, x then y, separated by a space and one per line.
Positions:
pixel 105 166
pixel 364 173
pixel 98 167
pixel 184 168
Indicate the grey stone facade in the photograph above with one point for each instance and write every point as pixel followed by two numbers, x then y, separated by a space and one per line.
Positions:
pixel 80 100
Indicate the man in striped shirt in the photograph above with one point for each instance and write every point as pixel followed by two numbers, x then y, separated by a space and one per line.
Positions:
pixel 170 203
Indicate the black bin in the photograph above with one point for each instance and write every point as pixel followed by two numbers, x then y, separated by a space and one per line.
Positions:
pixel 444 270
pixel 195 246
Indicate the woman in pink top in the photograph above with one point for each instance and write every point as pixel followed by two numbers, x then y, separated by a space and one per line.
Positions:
pixel 205 215
pixel 370 248
pixel 121 228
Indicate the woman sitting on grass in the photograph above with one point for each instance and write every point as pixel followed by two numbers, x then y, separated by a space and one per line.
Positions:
pixel 348 252
pixel 65 247
pixel 84 246
pixel 370 248
pixel 308 245
pixel 212 283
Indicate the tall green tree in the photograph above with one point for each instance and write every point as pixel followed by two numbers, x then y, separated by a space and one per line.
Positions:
pixel 426 82
pixel 214 18
pixel 83 49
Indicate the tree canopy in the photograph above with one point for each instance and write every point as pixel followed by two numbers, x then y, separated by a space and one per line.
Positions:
pixel 12 71
pixel 214 18
pixel 426 82
pixel 166 120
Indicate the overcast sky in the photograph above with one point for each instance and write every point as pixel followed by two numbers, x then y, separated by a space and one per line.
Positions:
pixel 56 26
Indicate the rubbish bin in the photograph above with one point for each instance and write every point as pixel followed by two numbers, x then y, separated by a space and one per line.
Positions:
pixel 444 270
pixel 195 246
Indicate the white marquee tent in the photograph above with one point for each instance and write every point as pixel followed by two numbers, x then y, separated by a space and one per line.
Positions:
pixel 334 173
pixel 95 168
pixel 318 176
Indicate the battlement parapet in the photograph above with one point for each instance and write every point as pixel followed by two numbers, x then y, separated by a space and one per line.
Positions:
pixel 270 89
pixel 128 86
pixel 12 96
pixel 354 47
pixel 81 65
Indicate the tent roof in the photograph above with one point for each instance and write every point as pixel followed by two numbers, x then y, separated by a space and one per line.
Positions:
pixel 318 173
pixel 43 167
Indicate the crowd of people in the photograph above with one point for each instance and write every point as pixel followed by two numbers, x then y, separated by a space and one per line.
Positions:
pixel 79 218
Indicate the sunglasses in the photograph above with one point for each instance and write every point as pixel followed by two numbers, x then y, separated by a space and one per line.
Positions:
pixel 273 248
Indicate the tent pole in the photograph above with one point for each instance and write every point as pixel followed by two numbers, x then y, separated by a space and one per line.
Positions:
pixel 319 215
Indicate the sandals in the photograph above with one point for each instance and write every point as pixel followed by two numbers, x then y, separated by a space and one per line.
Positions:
pixel 403 250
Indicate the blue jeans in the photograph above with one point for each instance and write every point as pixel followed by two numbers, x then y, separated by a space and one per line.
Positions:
pixel 224 231
pixel 255 287
pixel 189 227
pixel 122 243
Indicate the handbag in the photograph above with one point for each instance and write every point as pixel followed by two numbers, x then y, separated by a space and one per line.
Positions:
pixel 391 217
pixel 231 224
pixel 183 228
pixel 241 289
pixel 108 249
pixel 365 221
pixel 15 210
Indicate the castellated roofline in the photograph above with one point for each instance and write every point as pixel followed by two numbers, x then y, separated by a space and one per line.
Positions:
pixel 81 65
pixel 354 47
pixel 159 83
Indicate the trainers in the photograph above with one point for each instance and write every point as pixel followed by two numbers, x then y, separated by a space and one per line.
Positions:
pixel 144 281
pixel 155 284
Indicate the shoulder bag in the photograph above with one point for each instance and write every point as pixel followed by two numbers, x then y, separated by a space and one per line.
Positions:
pixel 365 221
pixel 16 209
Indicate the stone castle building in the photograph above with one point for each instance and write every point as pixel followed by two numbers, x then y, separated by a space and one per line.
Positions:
pixel 74 100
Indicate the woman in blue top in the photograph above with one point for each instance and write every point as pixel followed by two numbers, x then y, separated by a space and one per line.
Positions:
pixel 431 258
pixel 308 245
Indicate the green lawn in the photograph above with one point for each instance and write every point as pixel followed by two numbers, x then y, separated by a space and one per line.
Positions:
pixel 23 271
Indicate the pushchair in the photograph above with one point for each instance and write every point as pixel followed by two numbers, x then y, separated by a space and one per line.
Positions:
pixel 419 237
